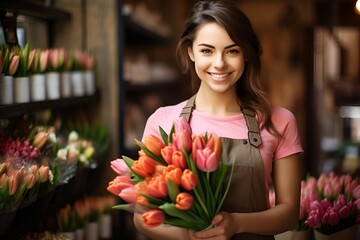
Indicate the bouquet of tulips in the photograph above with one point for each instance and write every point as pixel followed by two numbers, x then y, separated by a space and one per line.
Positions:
pixel 178 179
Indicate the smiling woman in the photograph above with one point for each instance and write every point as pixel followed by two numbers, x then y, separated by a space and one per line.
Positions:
pixel 222 52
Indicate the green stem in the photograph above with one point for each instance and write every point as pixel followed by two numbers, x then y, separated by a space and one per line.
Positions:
pixel 201 202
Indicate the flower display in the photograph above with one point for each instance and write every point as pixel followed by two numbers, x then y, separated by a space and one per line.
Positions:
pixel 334 204
pixel 178 179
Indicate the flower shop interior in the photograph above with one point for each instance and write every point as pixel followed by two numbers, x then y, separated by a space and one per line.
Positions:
pixel 57 139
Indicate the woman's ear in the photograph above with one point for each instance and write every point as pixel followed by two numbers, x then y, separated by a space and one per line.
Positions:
pixel 191 53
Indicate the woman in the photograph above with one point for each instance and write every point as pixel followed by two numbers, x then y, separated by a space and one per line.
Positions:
pixel 222 52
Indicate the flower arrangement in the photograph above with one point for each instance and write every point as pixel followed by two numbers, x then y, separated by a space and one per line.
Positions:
pixel 337 205
pixel 178 179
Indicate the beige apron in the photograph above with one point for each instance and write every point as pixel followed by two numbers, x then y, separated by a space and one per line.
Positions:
pixel 247 190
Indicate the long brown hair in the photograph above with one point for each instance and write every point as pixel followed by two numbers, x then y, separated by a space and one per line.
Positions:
pixel 240 30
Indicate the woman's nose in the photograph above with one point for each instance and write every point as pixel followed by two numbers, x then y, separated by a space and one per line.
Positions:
pixel 219 61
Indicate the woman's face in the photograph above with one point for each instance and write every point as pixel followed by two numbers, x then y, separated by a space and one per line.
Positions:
pixel 219 62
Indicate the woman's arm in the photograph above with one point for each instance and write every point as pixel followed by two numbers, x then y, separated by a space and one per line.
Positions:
pixel 282 217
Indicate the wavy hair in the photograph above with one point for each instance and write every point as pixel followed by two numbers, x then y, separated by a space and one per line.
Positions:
pixel 226 13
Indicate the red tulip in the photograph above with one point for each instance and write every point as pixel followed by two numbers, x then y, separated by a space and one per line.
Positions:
pixel 178 159
pixel 184 201
pixel 154 144
pixel 206 160
pixel 188 180
pixel 153 218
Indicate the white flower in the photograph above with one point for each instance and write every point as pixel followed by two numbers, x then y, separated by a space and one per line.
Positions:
pixel 62 154
pixel 73 136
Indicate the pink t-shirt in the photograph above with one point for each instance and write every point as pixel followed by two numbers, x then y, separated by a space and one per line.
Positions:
pixel 272 148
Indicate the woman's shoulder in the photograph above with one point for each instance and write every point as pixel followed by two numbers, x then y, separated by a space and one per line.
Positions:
pixel 279 112
pixel 169 110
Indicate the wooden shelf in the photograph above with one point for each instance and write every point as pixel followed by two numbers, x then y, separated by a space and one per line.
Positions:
pixel 136 33
pixel 34 9
pixel 19 109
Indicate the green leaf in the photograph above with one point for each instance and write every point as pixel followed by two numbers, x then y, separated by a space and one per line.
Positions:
pixel 154 200
pixel 151 154
pixel 173 190
pixel 227 187
pixel 164 136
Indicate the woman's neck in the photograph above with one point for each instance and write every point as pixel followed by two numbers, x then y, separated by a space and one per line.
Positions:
pixel 221 104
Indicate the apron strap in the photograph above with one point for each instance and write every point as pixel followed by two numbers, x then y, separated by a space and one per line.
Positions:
pixel 188 108
pixel 253 128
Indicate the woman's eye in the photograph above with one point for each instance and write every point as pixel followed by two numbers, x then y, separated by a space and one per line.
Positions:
pixel 233 51
pixel 205 51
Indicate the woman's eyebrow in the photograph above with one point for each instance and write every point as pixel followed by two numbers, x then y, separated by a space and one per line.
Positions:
pixel 210 46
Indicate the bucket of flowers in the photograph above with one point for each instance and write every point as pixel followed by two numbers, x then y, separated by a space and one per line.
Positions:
pixel 178 179
pixel 335 214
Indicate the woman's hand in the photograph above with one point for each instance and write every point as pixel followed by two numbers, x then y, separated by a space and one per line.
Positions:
pixel 223 228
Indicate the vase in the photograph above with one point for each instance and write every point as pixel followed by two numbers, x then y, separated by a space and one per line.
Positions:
pixel 105 226
pixel 65 84
pixel 77 83
pixel 92 231
pixel 89 82
pixel 37 87
pixel 294 235
pixel 79 234
pixel 52 85
pixel 348 234
pixel 21 89
pixel 6 89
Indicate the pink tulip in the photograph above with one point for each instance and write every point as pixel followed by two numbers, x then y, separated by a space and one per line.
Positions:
pixel 178 159
pixel 31 58
pixel 214 144
pixel 44 59
pixel 333 217
pixel 13 184
pixel 327 190
pixel 30 180
pixel 184 201
pixel 181 124
pixel 14 64
pixel 206 160
pixel 356 192
pixel 182 140
pixel 313 220
pixel 128 194
pixel 120 167
pixel 153 218
pixel 157 187
pixel 188 180
pixel 344 212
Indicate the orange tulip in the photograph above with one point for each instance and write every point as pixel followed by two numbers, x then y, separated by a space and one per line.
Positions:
pixel 173 174
pixel 30 180
pixel 3 180
pixel 198 143
pixel 13 184
pixel 178 159
pixel 40 139
pixel 154 144
pixel 44 173
pixel 157 187
pixel 119 183
pixel 144 166
pixel 167 153
pixel 153 218
pixel 184 201
pixel 188 180
pixel 214 144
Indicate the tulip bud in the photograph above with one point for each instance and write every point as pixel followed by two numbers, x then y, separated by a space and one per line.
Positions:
pixel 153 218
pixel 188 180
pixel 120 167
pixel 128 194
pixel 30 180
pixel 154 144
pixel 182 140
pixel 44 173
pixel 166 154
pixel 13 184
pixel 14 64
pixel 184 201
pixel 40 139
pixel 178 159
